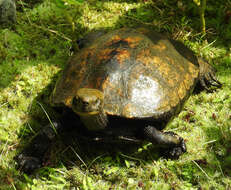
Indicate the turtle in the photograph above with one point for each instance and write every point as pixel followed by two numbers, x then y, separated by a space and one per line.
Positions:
pixel 126 85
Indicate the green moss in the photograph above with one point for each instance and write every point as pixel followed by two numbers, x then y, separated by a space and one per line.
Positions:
pixel 31 57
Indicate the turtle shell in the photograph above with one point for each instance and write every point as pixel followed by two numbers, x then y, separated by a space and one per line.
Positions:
pixel 142 74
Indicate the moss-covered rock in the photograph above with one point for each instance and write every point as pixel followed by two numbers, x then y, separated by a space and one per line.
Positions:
pixel 7 13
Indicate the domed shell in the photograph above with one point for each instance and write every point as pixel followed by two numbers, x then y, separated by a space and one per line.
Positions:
pixel 141 73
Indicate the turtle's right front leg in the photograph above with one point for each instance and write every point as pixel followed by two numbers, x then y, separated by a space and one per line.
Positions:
pixel 31 157
pixel 172 144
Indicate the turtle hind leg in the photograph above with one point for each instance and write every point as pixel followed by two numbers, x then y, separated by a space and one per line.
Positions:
pixel 207 76
pixel 172 144
pixel 90 37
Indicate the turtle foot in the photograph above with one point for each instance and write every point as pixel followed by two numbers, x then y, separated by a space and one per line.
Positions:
pixel 170 143
pixel 28 164
pixel 208 77
pixel 174 152
pixel 32 155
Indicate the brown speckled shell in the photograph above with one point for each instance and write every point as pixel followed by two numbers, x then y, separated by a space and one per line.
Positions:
pixel 141 73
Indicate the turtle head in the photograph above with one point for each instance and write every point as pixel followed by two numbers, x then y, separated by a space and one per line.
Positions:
pixel 87 101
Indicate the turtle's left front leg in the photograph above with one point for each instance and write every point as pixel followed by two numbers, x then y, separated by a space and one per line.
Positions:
pixel 172 144
pixel 31 157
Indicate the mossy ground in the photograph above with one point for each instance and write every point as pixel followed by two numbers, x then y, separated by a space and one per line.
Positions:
pixel 33 53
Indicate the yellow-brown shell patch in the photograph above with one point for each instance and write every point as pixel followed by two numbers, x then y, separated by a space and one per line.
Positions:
pixel 188 81
pixel 112 109
pixel 174 98
pixel 104 54
pixel 107 84
pixel 122 55
pixel 133 41
pixel 194 71
pixel 129 110
pixel 178 66
pixel 160 46
pixel 115 38
pixel 181 90
pixel 164 105
pixel 144 56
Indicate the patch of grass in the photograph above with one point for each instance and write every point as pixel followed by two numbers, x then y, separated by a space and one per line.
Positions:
pixel 31 57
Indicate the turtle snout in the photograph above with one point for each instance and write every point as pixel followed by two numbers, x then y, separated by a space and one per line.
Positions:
pixel 84 105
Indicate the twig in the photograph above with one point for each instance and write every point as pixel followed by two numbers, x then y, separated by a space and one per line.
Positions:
pixel 209 44
pixel 132 158
pixel 78 156
pixel 201 169
pixel 48 118
pixel 133 18
pixel 52 31
pixel 45 29
pixel 100 156
pixel 212 141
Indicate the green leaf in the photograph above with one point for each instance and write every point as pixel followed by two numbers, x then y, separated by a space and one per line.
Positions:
pixel 127 163
pixel 112 170
pixel 60 3
pixel 197 2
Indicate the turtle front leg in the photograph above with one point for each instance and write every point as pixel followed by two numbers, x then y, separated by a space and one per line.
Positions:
pixel 31 157
pixel 173 144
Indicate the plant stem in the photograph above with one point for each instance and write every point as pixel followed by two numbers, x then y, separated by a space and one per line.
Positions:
pixel 202 15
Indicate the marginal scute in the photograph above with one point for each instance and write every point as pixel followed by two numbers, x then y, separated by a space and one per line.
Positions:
pixel 174 99
pixel 182 90
pixel 129 111
pixel 164 106
pixel 188 82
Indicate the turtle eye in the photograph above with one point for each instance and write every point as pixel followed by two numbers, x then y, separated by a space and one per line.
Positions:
pixel 97 102
pixel 76 101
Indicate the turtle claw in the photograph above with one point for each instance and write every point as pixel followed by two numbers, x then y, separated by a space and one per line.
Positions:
pixel 207 77
pixel 209 82
pixel 28 164
pixel 174 151
pixel 214 81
